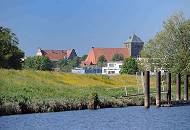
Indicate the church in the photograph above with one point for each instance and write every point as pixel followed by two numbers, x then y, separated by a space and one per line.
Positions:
pixel 131 48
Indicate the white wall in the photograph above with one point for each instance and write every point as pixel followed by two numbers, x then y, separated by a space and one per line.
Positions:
pixel 39 53
pixel 112 68
pixel 78 71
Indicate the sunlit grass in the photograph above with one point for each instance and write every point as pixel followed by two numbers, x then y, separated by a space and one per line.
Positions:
pixel 40 91
pixel 43 85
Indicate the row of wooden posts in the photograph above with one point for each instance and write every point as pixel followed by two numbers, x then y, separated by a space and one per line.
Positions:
pixel 158 88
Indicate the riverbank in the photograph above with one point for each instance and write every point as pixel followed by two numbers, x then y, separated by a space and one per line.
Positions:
pixel 57 106
pixel 23 91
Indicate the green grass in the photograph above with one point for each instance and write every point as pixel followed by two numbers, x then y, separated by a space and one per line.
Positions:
pixel 24 91
pixel 18 85
pixel 21 85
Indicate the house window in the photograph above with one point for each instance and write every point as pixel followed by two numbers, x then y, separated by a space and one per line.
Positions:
pixel 104 70
pixel 111 65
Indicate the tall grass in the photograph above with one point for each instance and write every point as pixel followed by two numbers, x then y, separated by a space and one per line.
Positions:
pixel 38 91
pixel 41 85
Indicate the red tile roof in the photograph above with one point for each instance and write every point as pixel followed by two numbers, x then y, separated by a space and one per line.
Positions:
pixel 95 53
pixel 56 54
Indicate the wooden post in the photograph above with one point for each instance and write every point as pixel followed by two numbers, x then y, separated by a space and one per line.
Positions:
pixel 169 88
pixel 126 93
pixel 185 87
pixel 158 89
pixel 178 85
pixel 147 90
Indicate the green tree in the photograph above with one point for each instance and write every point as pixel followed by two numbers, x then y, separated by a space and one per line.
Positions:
pixel 62 63
pixel 102 61
pixel 129 66
pixel 10 54
pixel 66 65
pixel 83 58
pixel 38 63
pixel 170 48
pixel 118 57
pixel 74 62
pixel 66 68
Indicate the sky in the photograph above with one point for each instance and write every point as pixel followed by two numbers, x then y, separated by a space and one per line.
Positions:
pixel 82 24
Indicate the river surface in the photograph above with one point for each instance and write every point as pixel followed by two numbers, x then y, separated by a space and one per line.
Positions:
pixel 138 118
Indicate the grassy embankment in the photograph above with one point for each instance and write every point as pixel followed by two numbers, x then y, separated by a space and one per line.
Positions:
pixel 23 91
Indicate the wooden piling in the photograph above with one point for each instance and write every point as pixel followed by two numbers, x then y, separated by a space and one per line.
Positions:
pixel 178 87
pixel 147 90
pixel 158 89
pixel 185 87
pixel 169 88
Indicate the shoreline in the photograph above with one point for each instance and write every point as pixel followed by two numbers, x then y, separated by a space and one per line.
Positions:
pixel 13 108
pixel 20 108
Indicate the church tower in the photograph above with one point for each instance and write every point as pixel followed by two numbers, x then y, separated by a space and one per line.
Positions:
pixel 135 45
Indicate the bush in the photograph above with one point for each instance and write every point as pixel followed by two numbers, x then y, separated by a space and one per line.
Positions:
pixel 38 63
pixel 101 61
pixel 129 66
pixel 66 65
pixel 83 58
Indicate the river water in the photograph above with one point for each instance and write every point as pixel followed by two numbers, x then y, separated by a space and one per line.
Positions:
pixel 138 118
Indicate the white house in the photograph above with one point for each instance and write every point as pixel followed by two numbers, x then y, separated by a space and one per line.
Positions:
pixel 78 70
pixel 112 68
pixel 87 70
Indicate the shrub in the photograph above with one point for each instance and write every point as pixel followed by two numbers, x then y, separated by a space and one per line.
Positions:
pixel 129 66
pixel 67 64
pixel 38 63
pixel 102 61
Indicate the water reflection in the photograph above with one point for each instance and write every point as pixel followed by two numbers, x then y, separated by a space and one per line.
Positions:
pixel 103 119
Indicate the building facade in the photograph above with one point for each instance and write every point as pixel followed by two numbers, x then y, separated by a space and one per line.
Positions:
pixel 112 68
pixel 87 70
pixel 132 48
pixel 56 55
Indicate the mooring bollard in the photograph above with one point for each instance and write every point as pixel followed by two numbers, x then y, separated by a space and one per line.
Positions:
pixel 185 87
pixel 169 88
pixel 178 85
pixel 158 89
pixel 147 90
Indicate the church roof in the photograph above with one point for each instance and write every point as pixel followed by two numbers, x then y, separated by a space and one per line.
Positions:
pixel 134 38
pixel 95 53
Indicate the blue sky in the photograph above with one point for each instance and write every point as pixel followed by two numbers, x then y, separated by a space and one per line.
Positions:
pixel 81 24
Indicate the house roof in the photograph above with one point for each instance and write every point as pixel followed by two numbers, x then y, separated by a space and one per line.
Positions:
pixel 69 52
pixel 134 38
pixel 95 53
pixel 56 54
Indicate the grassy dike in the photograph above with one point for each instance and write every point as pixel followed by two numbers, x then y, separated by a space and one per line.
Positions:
pixel 24 91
